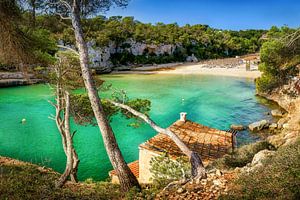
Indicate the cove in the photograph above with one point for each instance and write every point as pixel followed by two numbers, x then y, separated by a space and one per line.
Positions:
pixel 210 100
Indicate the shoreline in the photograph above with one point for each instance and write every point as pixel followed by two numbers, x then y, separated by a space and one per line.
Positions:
pixel 197 69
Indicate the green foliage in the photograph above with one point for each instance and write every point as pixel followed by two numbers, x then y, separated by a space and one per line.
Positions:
pixel 242 156
pixel 82 111
pixel 278 178
pixel 279 59
pixel 43 45
pixel 21 44
pixel 141 105
pixel 201 40
pixel 166 169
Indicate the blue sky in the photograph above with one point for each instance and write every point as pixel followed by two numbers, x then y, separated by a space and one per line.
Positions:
pixel 224 14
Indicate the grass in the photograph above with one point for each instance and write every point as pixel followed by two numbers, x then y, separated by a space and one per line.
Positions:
pixel 278 178
pixel 27 181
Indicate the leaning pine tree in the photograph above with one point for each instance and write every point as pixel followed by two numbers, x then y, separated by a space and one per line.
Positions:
pixel 74 10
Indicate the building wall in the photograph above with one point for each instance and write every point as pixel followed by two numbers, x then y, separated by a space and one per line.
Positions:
pixel 144 165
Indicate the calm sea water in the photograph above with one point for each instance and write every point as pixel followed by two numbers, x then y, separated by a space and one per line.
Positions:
pixel 213 101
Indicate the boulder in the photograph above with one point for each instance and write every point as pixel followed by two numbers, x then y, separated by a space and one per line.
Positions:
pixel 257 161
pixel 285 126
pixel 260 156
pixel 277 113
pixel 257 126
pixel 273 126
pixel 237 127
pixel 282 121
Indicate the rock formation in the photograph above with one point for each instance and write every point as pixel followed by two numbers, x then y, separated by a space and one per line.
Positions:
pixel 100 57
pixel 9 79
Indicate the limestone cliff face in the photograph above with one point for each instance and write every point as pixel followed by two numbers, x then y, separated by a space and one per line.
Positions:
pixel 100 56
pixel 288 97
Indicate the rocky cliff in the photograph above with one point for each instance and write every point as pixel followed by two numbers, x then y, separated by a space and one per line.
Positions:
pixel 100 57
pixel 288 97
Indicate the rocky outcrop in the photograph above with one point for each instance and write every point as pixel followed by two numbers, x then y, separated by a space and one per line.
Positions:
pixel 100 57
pixel 237 127
pixel 257 160
pixel 288 98
pixel 277 113
pixel 216 184
pixel 10 79
pixel 258 126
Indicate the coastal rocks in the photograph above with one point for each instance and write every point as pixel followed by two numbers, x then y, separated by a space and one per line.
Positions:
pixel 273 126
pixel 10 79
pixel 282 121
pixel 277 113
pixel 260 156
pixel 258 126
pixel 257 161
pixel 216 184
pixel 237 127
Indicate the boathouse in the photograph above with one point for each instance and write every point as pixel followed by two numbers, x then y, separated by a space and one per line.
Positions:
pixel 210 143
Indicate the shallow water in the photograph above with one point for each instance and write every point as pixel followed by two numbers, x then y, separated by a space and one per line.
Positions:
pixel 210 100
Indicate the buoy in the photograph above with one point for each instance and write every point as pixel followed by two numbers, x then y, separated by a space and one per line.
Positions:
pixel 23 121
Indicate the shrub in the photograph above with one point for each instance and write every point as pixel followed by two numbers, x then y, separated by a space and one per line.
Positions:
pixel 166 169
pixel 278 178
pixel 241 156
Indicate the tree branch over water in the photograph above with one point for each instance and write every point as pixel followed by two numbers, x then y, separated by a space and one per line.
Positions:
pixel 198 170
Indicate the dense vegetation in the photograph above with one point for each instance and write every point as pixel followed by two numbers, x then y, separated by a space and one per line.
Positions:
pixel 280 58
pixel 201 40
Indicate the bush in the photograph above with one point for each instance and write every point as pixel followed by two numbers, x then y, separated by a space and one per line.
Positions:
pixel 241 157
pixel 166 170
pixel 279 60
pixel 278 178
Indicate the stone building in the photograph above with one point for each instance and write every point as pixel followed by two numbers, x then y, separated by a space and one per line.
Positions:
pixel 210 143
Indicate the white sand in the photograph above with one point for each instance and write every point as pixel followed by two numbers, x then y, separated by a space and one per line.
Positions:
pixel 218 71
pixel 239 71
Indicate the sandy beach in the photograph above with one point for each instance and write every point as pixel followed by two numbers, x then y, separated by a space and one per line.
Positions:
pixel 204 69
pixel 239 71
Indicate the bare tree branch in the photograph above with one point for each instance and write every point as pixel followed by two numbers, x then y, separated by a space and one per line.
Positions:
pixel 68 48
pixel 198 170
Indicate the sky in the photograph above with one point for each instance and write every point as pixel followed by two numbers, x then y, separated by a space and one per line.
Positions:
pixel 223 14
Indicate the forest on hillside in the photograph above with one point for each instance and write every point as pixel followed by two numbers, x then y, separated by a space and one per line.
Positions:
pixel 202 41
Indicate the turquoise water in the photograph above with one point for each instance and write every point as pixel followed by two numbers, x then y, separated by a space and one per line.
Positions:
pixel 210 100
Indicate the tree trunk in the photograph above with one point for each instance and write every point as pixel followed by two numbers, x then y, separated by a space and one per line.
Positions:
pixel 126 177
pixel 33 13
pixel 198 170
pixel 75 166
pixel 63 126
pixel 69 144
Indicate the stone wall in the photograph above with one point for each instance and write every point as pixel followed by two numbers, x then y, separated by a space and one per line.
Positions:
pixel 144 165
